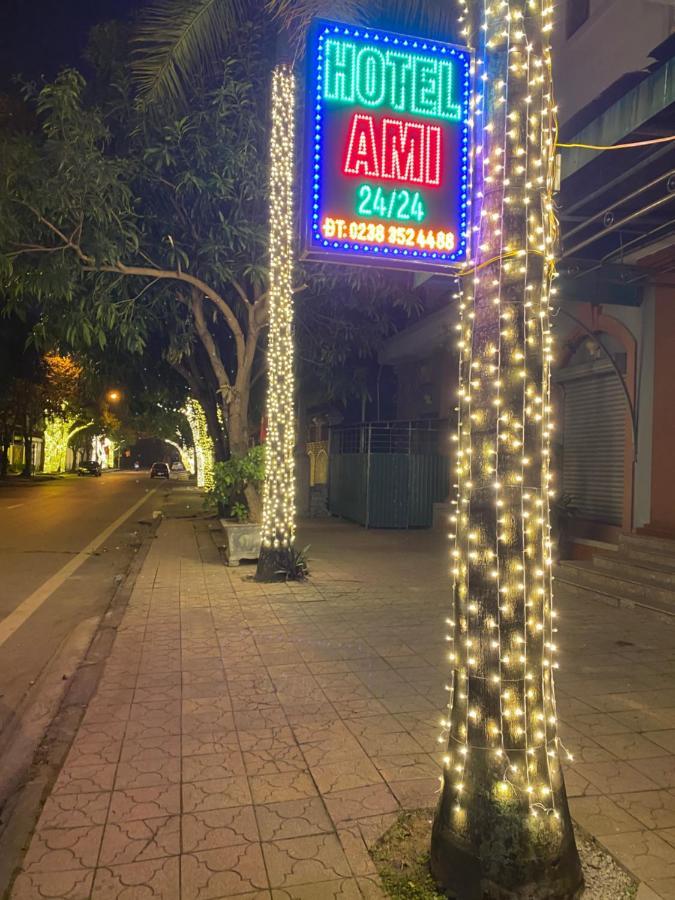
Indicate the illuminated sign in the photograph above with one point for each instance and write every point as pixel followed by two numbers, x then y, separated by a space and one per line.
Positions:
pixel 387 159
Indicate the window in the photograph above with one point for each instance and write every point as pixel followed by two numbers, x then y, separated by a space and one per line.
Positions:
pixel 578 12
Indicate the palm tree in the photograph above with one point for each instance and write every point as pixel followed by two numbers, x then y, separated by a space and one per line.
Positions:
pixel 175 39
pixel 502 827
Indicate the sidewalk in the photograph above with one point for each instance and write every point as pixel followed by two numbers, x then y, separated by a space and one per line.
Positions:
pixel 251 741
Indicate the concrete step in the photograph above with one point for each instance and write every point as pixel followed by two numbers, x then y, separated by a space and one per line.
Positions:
pixel 647 548
pixel 628 568
pixel 633 591
pixel 666 611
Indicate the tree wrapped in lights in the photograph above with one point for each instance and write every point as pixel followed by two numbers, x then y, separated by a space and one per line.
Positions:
pixel 278 524
pixel 187 454
pixel 502 827
pixel 203 444
pixel 65 414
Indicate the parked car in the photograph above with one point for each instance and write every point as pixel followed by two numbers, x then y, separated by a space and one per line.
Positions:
pixel 159 470
pixel 90 468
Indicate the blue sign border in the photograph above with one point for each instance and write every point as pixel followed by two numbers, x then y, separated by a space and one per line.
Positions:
pixel 316 246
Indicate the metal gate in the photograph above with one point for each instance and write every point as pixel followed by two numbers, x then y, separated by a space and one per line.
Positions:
pixel 594 434
pixel 389 474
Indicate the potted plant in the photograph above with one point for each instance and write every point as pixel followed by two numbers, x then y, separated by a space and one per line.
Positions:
pixel 231 478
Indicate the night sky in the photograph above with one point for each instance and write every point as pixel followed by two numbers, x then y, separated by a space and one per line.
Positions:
pixel 39 37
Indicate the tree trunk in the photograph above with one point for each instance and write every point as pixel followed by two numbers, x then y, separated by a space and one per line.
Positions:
pixel 4 459
pixel 278 532
pixel 27 452
pixel 502 827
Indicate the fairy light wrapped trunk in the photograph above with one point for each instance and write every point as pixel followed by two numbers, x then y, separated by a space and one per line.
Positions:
pixel 502 827
pixel 278 524
pixel 203 452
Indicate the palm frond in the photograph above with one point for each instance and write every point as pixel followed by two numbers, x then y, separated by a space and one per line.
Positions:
pixel 295 16
pixel 176 38
pixel 428 18
pixel 423 17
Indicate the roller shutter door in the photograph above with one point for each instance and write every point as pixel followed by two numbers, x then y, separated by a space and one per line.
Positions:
pixel 593 446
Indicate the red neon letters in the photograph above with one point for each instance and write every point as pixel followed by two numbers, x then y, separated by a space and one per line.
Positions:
pixel 408 152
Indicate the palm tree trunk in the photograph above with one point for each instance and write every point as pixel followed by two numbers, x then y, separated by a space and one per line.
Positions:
pixel 278 519
pixel 502 827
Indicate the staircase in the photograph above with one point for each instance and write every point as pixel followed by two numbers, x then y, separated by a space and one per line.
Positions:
pixel 640 573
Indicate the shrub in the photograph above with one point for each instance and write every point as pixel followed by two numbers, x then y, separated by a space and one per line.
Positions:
pixel 231 479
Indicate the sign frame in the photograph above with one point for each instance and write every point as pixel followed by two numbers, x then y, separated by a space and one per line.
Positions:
pixel 314 246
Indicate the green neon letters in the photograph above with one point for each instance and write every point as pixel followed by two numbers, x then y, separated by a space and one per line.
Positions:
pixel 405 82
pixel 400 204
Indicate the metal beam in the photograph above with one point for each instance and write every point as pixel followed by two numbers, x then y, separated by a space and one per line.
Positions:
pixel 642 103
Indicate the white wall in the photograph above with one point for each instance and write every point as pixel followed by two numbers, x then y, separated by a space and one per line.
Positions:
pixel 616 39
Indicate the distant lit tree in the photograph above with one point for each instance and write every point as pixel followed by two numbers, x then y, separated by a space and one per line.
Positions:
pixel 65 416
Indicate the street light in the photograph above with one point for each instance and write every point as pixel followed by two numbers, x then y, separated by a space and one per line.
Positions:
pixel 113 396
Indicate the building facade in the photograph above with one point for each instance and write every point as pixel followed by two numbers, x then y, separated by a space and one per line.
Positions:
pixel 615 324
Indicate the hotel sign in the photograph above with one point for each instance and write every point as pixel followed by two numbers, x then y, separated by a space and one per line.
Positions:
pixel 387 154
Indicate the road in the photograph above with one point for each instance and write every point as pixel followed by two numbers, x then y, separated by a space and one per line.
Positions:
pixel 63 548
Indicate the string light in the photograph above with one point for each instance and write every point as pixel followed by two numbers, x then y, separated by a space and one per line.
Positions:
pixel 187 454
pixel 501 729
pixel 202 441
pixel 58 432
pixel 278 525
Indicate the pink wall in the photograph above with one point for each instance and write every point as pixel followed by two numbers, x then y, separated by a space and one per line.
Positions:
pixel 663 444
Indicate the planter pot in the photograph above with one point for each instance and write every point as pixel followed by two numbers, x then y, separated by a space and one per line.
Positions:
pixel 241 541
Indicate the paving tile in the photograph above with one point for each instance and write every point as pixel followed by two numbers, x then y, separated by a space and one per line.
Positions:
pixel 140 840
pixel 644 892
pixel 75 810
pixel 269 717
pixel 629 746
pixel 144 803
pixel 406 766
pixel 599 815
pixel 305 860
pixel 153 878
pixel 664 888
pixel 212 765
pixel 278 788
pixel 667 834
pixel 227 872
pixel 356 850
pixel 85 779
pixel 614 777
pixel 73 885
pixel 644 853
pixel 584 748
pixel 371 888
pixel 344 806
pixel 208 742
pixel 217 793
pixel 134 749
pixel 147 770
pixel 293 818
pixel 665 739
pixel 418 793
pixel 63 849
pixel 341 775
pixel 660 770
pixel 94 751
pixel 654 809
pixel 343 889
pixel 219 828
pixel 270 751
